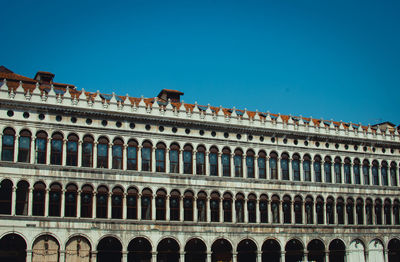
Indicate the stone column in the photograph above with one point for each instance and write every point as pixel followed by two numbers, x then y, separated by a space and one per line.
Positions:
pixel 139 158
pixel 181 209
pixel 48 150
pixel 109 205
pixel 95 154
pixel 232 165
pixel 139 206
pixel 207 164
pixel 244 167
pixel 278 168
pixel 125 157
pixel 154 257
pixel 327 256
pixel 167 167
pixel 305 256
pixel 124 256
pixel 290 169
pixel 109 155
pixel 180 161
pixel 167 210
pixel 292 215
pixel 62 255
pixel 153 208
pixel 13 200
pixel 124 208
pixel 63 202
pixel 30 201
pixel 79 163
pixel 182 257
pixel 259 256
pixel 220 211
pixel 46 202
pixel 386 251
pixel 209 256
pixel 94 203
pixel 246 212
pixel 314 212
pixel 78 203
pixel 28 255
pixel 283 254
pixel 208 209
pixel 234 255
pixel 256 167
pixel 194 159
pixel 93 256
pixel 64 152
pixel 153 160
pixel 219 164
pixel 280 208
pixel 16 147
pixel 32 159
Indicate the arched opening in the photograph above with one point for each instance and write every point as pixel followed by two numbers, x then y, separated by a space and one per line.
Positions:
pixel 117 202
pixel 131 155
pixel 8 141
pixel 337 251
pixel 188 159
pixel 56 149
pixel 375 250
pixel 317 169
pixel 296 167
pixel 174 158
pixel 22 198
pixel 251 208
pixel 24 146
pixel 350 211
pixel 285 166
pixel 356 171
pixel 328 169
pixel 319 208
pixel 387 209
pixel 188 206
pixel 309 210
pixel 263 207
pixel 393 174
pixel 78 248
pixel 261 163
pixel 394 250
pixel 213 158
pixel 55 200
pixel 271 251
pixel 360 211
pixel 375 173
pixel 273 165
pixel 72 150
pixel 356 251
pixel 146 156
pixel 45 249
pixel 384 173
pixel 12 248
pixel 250 163
pixel 214 206
pixel 338 170
pixel 160 157
pixel 347 170
pixel 340 210
pixel 41 147
pixel 286 209
pixel 70 200
pixel 109 249
pixel 294 251
pixel 102 152
pixel 201 160
pixel 201 206
pixel 168 251
pixel 275 205
pixel 396 212
pixel 226 162
pixel 227 206
pixel 5 196
pixel 307 167
pixel 161 204
pixel 378 211
pixel 139 250
pixel 86 201
pixel 316 250
pixel 298 210
pixel 131 203
pixel 247 251
pixel 146 199
pixel 102 202
pixel 174 205
pixel 117 153
pixel 365 169
pixel 39 197
pixel 87 151
pixel 329 210
pixel 368 211
pixel 239 208
pixel 221 251
pixel 195 251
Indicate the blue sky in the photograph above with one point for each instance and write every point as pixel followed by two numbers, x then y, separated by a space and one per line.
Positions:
pixel 327 59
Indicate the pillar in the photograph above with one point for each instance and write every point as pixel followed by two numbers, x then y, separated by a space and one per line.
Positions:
pixel 290 169
pixel 219 164
pixel 32 150
pixel 244 167
pixel 182 257
pixel 259 256
pixel 207 164
pixel 278 166
pixel 124 208
pixel 167 168
pixel 94 203
pixel 79 163
pixel 209 256
pixel 47 201
pixel 62 255
pixel 208 209
pixel 180 162
pixel 16 147
pixel 28 255
pixel 78 203
pixel 234 255
pixel 181 209
pixel 64 152
pixel 139 206
pixel 124 256
pixel 62 196
pixel 95 154
pixel 139 158
pixel 109 155
pixel 283 254
pixel 220 211
pixel 167 209
pixel 256 167
pixel 280 208
pixel 153 160
pixel 326 256
pixel 93 256
pixel 153 208
pixel 231 165
pixel 154 257
pixel 13 200
pixel 30 201
pixel 194 159
pixel 125 157
pixel 48 150
pixel 292 214
pixel 246 212
pixel 109 205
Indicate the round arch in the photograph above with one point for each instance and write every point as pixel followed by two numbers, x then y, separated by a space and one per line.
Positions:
pixel 337 251
pixel 221 251
pixel 168 250
pixel 271 250
pixel 12 248
pixel 78 248
pixel 109 249
pixel 247 251
pixel 195 250
pixel 316 250
pixel 139 249
pixel 294 251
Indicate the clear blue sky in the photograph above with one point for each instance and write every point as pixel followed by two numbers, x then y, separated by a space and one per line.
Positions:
pixel 326 59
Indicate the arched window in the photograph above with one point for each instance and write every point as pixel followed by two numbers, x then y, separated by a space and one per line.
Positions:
pixel 201 160
pixel 365 169
pixel 214 206
pixel 117 202
pixel 360 211
pixel 350 211
pixel 393 174
pixel 356 171
pixel 375 172
pixel 368 211
pixel 238 162
pixel 41 147
pixel 117 153
pixel 161 196
pixel 275 205
pixel 319 208
pixel 298 210
pixel 286 209
pixel 146 200
pixel 347 171
pixel 6 196
pixel 252 208
pixel 86 201
pixel 102 202
pixel 102 152
pixel 188 206
pixel 56 149
pixel 396 212
pixel 160 157
pixel 39 197
pixel 227 207
pixel 131 155
pixel 131 203
pixel 285 166
pixel 250 163
pixel 87 151
pixel 296 167
pixel 307 167
pixel 330 202
pixel 387 209
pixel 24 146
pixel 174 203
pixel 309 210
pixel 213 158
pixel 261 163
pixel 239 208
pixel 317 169
pixel 70 200
pixel 273 165
pixel 174 158
pixel 338 170
pixel 188 159
pixel 146 156
pixel 328 169
pixel 378 211
pixel 201 206
pixel 263 207
pixel 340 210
pixel 384 171
pixel 72 150
pixel 55 200
pixel 22 198
pixel 226 162
pixel 7 149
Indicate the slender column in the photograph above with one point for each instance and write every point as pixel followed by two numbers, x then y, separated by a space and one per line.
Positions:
pixel 386 255
pixel 79 163
pixel 234 257
pixel 124 210
pixel 93 256
pixel 258 213
pixel 28 255
pixel 124 256
pixel 305 256
pixel 283 254
pixel 314 212
pixel 167 210
pixel 62 255
pixel 232 165
pixel 220 164
pixel 64 152
pixel 292 217
pixel 167 167
pixel 48 150
pixel 290 166
pixel 278 168
pixel 153 159
pixel 207 163
pixel 63 202
pixel 220 210
pixel 256 167
pixel 194 159
pixel 181 209
pixel 139 206
pixel 110 155
pixel 30 201
pixel 312 176
pixel 259 256
pixel 125 157
pixel 208 209
pixel 281 221
pixel 153 208
pixel 109 205
pixel 32 150
pixel 154 257
pixel 323 178
pixel 78 203
pixel 209 256
pixel 94 203
pixel 180 161
pixel 16 147
pixel 195 212
pixel 246 212
pixel 182 257
pixel 13 200
pixel 244 166
pixel 95 154
pixel 342 173
pixel 139 158
pixel 47 202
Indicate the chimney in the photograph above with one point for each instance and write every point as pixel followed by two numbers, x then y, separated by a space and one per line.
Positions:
pixel 166 94
pixel 44 77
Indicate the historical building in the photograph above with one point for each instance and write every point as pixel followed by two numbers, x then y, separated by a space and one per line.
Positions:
pixel 86 176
